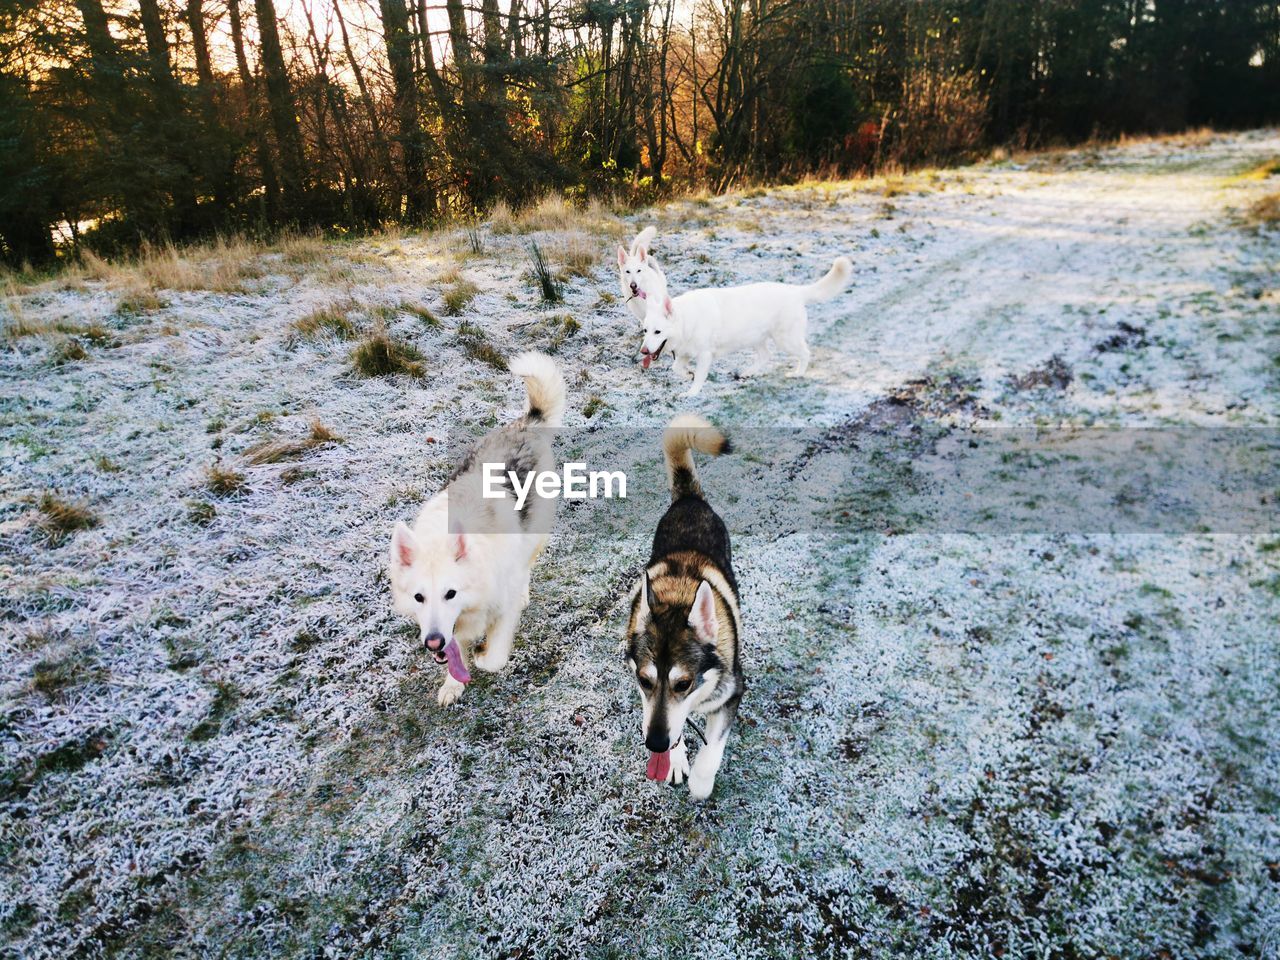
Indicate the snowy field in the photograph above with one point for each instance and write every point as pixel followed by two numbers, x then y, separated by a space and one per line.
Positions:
pixel 217 740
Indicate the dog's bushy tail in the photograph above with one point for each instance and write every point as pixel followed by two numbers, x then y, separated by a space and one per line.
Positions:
pixel 832 284
pixel 644 238
pixel 545 383
pixel 685 433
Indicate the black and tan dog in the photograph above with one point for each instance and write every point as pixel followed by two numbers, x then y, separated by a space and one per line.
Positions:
pixel 682 638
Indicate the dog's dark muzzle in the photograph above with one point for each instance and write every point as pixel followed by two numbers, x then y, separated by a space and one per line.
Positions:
pixel 660 744
pixel 436 643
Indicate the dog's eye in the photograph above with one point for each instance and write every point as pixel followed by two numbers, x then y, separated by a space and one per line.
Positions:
pixel 418 597
pixel 657 333
pixel 450 594
pixel 645 682
pixel 682 686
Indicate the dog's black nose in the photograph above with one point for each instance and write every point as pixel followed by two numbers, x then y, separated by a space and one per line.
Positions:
pixel 657 742
pixel 435 641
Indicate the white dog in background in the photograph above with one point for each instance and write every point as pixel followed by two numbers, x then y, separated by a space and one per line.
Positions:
pixel 708 323
pixel 638 272
pixel 462 572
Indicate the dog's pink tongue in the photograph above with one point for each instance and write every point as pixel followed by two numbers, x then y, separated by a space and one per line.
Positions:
pixel 646 360
pixel 659 765
pixel 457 670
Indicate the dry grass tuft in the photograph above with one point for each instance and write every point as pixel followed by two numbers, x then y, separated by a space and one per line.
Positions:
pixel 477 347
pixel 17 324
pixel 552 212
pixel 1264 212
pixel 221 266
pixel 93 267
pixel 139 299
pixel 332 320
pixel 458 297
pixel 69 350
pixel 201 513
pixel 557 330
pixel 555 212
pixel 274 451
pixel 65 667
pixel 485 352
pixel 224 481
pixel 303 248
pixel 61 518
pixel 321 434
pixel 502 219
pixel 378 355
pixel 577 258
pixel 421 311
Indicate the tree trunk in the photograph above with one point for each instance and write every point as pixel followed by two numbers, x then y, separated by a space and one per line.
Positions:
pixel 102 46
pixel 157 46
pixel 200 47
pixel 284 119
pixel 375 124
pixel 223 164
pixel 266 166
pixel 420 199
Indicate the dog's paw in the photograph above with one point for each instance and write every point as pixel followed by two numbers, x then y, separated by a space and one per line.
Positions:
pixel 679 765
pixel 701 784
pixel 492 658
pixel 450 691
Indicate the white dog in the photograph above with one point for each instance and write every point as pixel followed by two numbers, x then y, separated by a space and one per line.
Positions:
pixel 708 323
pixel 462 572
pixel 638 272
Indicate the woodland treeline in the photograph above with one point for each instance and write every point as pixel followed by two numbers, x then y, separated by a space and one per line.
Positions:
pixel 131 119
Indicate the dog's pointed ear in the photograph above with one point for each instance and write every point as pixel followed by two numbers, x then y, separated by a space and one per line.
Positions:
pixel 640 253
pixel 702 616
pixel 459 539
pixel 622 255
pixel 404 545
pixel 646 597
pixel 668 307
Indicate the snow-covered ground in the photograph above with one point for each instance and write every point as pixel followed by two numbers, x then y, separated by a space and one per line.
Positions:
pixel 216 739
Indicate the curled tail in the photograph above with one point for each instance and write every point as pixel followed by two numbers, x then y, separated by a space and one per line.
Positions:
pixel 643 239
pixel 833 283
pixel 545 383
pixel 689 432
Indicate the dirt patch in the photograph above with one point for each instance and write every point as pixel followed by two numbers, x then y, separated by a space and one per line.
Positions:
pixel 1053 374
pixel 1128 336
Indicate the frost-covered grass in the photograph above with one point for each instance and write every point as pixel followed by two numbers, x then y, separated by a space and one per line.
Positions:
pixel 217 739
